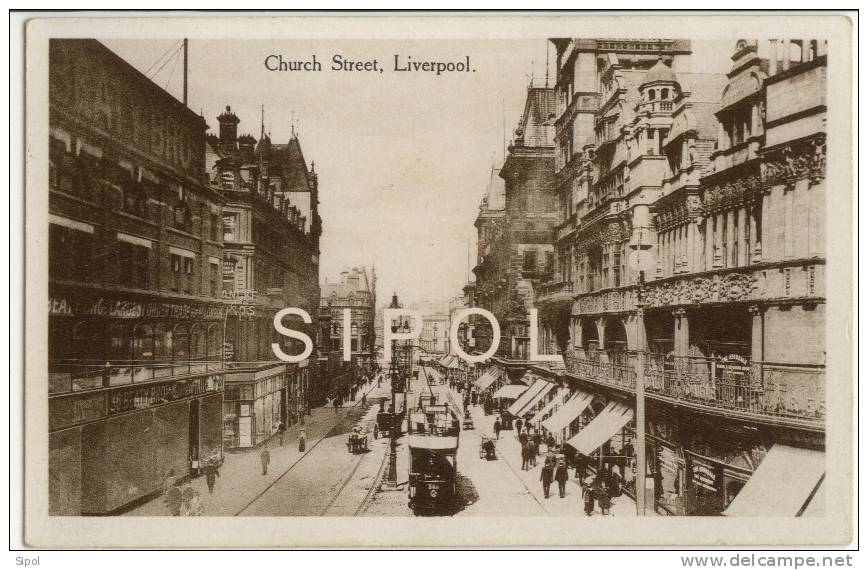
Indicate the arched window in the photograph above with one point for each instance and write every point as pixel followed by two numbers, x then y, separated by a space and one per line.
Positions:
pixel 664 93
pixel 143 343
pixel 215 342
pixel 181 342
pixel 162 342
pixel 652 94
pixel 119 342
pixel 198 342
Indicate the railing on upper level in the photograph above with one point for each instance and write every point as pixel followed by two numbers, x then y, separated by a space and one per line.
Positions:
pixel 761 389
pixel 555 291
pixel 76 377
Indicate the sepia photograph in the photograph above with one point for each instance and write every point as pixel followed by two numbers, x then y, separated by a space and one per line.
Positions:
pixel 577 275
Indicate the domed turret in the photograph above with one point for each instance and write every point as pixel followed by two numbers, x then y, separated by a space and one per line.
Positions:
pixel 659 73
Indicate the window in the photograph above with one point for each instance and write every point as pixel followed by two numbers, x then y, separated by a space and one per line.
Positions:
pixel 181 216
pixel 176 273
pixel 134 200
pixel 188 275
pixel 652 94
pixel 529 262
pixel 143 343
pixel 214 227
pixel 70 253
pixel 181 343
pixel 664 93
pixel 214 279
pixel 134 265
pixel 550 262
pixel 230 227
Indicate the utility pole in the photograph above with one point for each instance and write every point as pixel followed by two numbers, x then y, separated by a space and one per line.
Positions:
pixel 640 400
pixel 185 71
pixel 392 479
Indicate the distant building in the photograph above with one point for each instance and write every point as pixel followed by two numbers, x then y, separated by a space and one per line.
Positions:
pixel 356 291
pixel 270 230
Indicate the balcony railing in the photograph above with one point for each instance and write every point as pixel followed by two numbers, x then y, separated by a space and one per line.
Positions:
pixel 761 389
pixel 555 291
pixel 64 378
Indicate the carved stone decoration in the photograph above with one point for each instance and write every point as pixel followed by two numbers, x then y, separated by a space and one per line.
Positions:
pixel 803 159
pixel 717 288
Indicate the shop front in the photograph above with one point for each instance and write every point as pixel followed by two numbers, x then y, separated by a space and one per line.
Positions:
pixel 110 447
pixel 255 402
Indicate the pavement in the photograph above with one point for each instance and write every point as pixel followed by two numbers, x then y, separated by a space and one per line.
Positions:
pixel 294 484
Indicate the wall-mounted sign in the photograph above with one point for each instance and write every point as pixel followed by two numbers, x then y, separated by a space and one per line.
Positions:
pixel 143 397
pixel 128 309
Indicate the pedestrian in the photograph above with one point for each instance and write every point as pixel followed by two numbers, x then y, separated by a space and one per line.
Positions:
pixel 281 430
pixel 211 474
pixel 546 476
pixel 497 428
pixel 168 483
pixel 518 425
pixel 174 499
pixel 195 508
pixel 561 478
pixel 588 494
pixel 534 451
pixel 302 436
pixel 364 399
pixel 528 455
pixel 581 466
pixel 522 438
pixel 335 403
pixel 376 431
pixel 601 493
pixel 187 493
pixel 265 459
pixel 616 486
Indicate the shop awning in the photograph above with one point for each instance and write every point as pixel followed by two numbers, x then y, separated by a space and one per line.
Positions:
pixel 511 391
pixel 555 402
pixel 607 423
pixel 781 485
pixel 451 361
pixel 488 378
pixel 526 397
pixel 568 412
pixel 534 401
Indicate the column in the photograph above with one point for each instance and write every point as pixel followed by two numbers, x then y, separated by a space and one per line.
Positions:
pixel 709 242
pixel 751 243
pixel 601 332
pixel 806 50
pixel 718 243
pixel 691 246
pixel 773 57
pixel 756 333
pixel 789 201
pixel 743 246
pixel 682 333
pixel 730 239
pixel 785 61
pixel 577 331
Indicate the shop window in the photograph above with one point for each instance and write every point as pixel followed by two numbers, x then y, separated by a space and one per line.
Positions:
pixel 163 344
pixel 143 343
pixel 181 343
pixel 215 343
pixel 133 265
pixel 198 342
pixel 87 340
pixel 120 347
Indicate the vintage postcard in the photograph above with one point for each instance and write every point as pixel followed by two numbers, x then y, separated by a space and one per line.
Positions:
pixel 433 279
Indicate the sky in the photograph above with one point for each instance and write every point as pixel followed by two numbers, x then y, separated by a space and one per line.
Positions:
pixel 403 158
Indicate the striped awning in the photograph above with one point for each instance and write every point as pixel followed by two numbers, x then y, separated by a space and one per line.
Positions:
pixel 511 391
pixel 528 395
pixel 553 405
pixel 531 405
pixel 607 423
pixel 784 485
pixel 488 378
pixel 572 409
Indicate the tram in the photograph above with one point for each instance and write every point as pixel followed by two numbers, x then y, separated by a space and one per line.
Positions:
pixel 433 461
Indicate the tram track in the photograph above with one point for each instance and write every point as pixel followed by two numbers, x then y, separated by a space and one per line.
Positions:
pixel 301 458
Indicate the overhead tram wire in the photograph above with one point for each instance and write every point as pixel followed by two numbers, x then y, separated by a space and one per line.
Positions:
pixel 166 62
pixel 159 59
pixel 172 73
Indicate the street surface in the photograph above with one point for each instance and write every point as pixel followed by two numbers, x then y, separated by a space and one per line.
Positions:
pixel 327 480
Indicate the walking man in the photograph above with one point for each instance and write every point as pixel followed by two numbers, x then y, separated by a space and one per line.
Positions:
pixel 211 474
pixel 518 425
pixel 561 477
pixel 546 476
pixel 588 494
pixel 302 436
pixel 497 428
pixel 174 499
pixel 281 430
pixel 335 403
pixel 265 459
